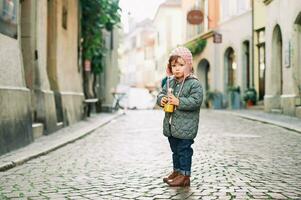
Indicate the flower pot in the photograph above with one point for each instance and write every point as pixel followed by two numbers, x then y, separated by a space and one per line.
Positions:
pixel 249 103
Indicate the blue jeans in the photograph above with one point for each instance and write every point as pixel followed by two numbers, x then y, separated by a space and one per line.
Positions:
pixel 181 154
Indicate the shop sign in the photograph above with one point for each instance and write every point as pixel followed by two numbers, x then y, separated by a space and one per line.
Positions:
pixel 195 17
pixel 87 65
pixel 217 38
pixel 287 54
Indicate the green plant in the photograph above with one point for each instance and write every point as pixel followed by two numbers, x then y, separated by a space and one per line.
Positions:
pixel 250 94
pixel 211 96
pixel 234 97
pixel 96 16
pixel 197 46
pixel 232 89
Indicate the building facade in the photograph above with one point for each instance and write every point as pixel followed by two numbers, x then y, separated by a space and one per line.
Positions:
pixel 283 57
pixel 206 62
pixel 259 47
pixel 40 80
pixel 137 64
pixel 15 115
pixel 110 77
pixel 168 22
pixel 234 56
pixel 226 61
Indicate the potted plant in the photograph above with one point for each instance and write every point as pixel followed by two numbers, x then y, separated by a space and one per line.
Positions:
pixel 250 97
pixel 209 98
pixel 213 99
pixel 234 97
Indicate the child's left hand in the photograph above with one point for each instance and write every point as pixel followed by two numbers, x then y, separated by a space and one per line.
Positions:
pixel 173 100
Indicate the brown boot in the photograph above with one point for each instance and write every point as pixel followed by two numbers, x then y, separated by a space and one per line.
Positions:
pixel 171 176
pixel 180 181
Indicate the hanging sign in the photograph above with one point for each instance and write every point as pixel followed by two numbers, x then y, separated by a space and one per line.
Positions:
pixel 195 17
pixel 287 54
pixel 217 38
pixel 87 65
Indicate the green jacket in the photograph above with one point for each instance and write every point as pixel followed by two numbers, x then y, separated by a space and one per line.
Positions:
pixel 185 118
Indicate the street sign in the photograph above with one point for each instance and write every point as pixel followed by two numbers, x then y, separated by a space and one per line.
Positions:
pixel 287 54
pixel 217 38
pixel 87 65
pixel 195 17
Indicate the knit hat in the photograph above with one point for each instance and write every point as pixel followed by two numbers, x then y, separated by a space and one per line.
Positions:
pixel 184 53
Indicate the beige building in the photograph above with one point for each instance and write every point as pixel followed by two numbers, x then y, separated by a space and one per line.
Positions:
pixel 234 53
pixel 205 63
pixel 15 115
pixel 226 63
pixel 40 79
pixel 168 22
pixel 283 60
pixel 137 51
pixel 259 47
pixel 110 76
pixel 63 68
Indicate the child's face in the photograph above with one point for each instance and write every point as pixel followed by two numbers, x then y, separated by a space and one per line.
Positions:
pixel 177 67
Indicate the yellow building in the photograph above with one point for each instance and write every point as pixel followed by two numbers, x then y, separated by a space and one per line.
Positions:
pixel 226 60
pixel 259 52
pixel 40 78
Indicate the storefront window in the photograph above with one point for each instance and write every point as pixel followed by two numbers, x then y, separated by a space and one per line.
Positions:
pixel 261 36
pixel 261 61
pixel 8 17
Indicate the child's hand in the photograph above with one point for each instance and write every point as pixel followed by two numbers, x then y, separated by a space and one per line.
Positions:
pixel 163 101
pixel 173 100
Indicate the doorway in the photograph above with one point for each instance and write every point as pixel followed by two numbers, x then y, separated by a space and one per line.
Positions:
pixel 276 67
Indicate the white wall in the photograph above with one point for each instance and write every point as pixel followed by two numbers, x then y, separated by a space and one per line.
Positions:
pixel 234 32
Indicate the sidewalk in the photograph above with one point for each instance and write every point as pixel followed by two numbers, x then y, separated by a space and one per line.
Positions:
pixel 46 144
pixel 284 121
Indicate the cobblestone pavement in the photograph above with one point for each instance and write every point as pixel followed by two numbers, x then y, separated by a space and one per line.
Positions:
pixel 234 158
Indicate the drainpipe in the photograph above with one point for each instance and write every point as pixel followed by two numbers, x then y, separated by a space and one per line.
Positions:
pixel 253 42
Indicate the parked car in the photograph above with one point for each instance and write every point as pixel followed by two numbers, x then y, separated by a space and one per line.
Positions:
pixel 138 98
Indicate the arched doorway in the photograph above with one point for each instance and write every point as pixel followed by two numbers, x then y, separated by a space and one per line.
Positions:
pixel 230 67
pixel 246 65
pixel 203 73
pixel 261 49
pixel 297 70
pixel 276 67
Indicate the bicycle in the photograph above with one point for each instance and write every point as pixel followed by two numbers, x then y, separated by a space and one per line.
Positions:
pixel 116 102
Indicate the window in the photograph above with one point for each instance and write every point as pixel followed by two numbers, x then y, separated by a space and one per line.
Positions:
pixel 112 39
pixel 261 61
pixel 64 17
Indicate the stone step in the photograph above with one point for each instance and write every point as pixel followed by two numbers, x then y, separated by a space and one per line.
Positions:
pixel 276 111
pixel 260 103
pixel 38 130
pixel 59 125
pixel 257 107
pixel 298 111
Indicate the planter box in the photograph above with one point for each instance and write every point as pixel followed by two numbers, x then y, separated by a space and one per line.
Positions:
pixel 217 102
pixel 234 100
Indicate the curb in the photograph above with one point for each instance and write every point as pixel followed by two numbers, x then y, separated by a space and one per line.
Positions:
pixel 20 161
pixel 266 121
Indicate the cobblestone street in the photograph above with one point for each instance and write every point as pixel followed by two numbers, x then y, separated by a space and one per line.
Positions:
pixel 234 158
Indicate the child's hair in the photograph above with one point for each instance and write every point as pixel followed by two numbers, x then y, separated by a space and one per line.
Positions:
pixel 174 58
pixel 171 59
pixel 186 55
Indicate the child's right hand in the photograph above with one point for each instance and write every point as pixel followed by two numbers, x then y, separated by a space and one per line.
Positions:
pixel 163 101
